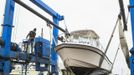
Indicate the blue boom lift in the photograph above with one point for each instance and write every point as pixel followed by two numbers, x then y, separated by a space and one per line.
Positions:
pixel 10 52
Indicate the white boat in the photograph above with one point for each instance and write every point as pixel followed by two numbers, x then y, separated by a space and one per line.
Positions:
pixel 83 54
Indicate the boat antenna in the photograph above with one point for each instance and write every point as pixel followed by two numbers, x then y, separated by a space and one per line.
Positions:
pixel 41 32
pixel 50 28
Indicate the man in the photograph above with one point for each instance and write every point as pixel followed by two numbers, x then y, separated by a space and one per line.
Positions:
pixel 31 35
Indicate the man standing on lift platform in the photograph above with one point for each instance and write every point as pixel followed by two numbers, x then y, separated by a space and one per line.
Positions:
pixel 31 35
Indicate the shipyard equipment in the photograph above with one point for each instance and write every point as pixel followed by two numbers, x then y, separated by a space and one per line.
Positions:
pixel 10 52
pixel 43 54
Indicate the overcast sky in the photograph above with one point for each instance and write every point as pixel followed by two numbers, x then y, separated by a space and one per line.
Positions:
pixel 98 15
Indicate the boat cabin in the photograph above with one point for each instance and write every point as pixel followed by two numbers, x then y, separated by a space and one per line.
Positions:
pixel 85 37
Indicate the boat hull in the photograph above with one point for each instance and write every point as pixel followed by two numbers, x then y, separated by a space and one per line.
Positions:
pixel 76 56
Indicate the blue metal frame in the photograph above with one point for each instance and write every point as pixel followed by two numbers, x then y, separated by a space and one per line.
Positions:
pixel 56 19
pixel 7 54
pixel 7 25
pixel 132 25
pixel 54 56
pixel 6 34
pixel 47 9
